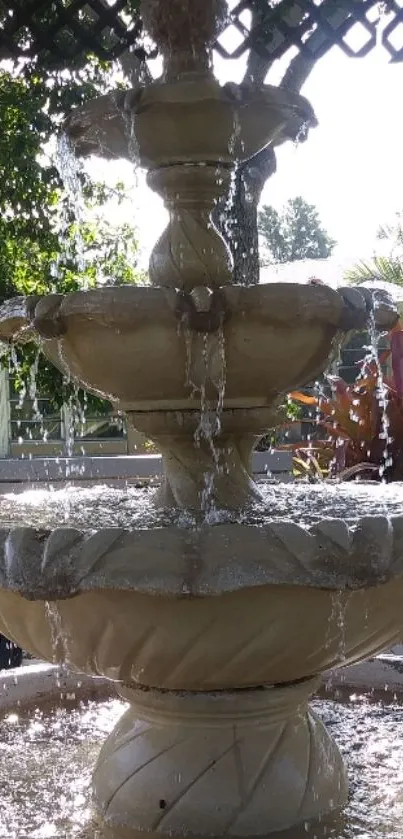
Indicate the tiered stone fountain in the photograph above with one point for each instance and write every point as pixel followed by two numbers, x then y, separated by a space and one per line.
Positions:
pixel 216 635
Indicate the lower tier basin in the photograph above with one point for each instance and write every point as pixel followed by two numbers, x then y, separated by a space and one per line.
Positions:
pixel 263 635
pixel 217 637
pixel 205 608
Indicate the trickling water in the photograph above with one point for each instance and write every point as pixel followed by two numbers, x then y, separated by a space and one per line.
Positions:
pixel 226 213
pixel 207 430
pixel 235 138
pixel 223 376
pixel 370 361
pixel 337 625
pixel 129 122
pixel 33 395
pixel 209 425
pixel 28 396
pixel 14 370
pixel 59 639
pixel 381 392
pixel 302 133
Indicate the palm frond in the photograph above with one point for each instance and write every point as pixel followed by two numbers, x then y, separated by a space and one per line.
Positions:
pixel 381 269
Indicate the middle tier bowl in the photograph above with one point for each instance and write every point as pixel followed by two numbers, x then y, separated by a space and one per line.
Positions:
pixel 135 346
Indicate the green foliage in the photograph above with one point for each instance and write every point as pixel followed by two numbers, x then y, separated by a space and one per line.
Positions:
pixel 27 190
pixel 40 241
pixel 294 233
pixel 288 413
pixel 381 269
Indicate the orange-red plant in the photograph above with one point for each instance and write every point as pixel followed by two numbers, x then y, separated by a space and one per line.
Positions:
pixel 364 421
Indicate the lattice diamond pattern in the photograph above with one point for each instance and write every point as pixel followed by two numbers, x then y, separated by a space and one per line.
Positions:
pixel 392 35
pixel 68 29
pixel 312 27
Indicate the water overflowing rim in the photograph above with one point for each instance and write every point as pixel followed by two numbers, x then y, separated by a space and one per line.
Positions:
pixel 304 303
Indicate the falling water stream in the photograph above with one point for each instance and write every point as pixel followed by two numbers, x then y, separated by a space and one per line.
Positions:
pixel 48 793
pixel 73 206
pixel 381 392
pixel 209 426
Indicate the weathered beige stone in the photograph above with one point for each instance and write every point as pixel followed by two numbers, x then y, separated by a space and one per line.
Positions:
pixel 146 351
pixel 221 609
pixel 245 120
pixel 176 760
pixel 199 559
pixel 217 635
pixel 136 346
pixel 163 764
pixel 189 131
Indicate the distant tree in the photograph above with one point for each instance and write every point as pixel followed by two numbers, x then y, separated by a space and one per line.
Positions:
pixel 294 233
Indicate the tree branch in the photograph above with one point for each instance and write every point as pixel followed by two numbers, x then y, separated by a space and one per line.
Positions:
pixel 258 65
pixel 297 72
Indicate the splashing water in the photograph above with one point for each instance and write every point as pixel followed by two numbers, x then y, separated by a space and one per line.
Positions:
pixel 48 794
pixel 132 507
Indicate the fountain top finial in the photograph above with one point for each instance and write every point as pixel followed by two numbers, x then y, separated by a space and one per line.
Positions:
pixel 184 30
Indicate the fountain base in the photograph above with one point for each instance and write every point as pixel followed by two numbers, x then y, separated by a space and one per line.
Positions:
pixel 242 763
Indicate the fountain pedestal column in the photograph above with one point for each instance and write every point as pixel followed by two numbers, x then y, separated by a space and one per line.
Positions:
pixel 241 763
pixel 204 474
pixel 190 252
pixel 206 454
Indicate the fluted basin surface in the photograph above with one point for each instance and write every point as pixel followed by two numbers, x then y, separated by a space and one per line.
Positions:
pixel 157 605
pixel 132 344
pixel 208 364
pixel 245 121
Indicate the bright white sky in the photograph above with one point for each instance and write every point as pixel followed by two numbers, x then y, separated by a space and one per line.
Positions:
pixel 351 166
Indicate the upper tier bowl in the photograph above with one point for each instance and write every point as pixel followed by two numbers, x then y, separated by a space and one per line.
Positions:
pixel 171 122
